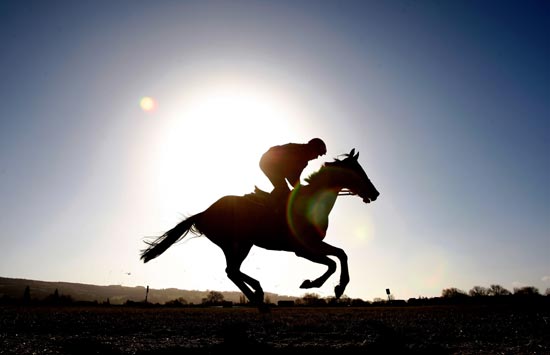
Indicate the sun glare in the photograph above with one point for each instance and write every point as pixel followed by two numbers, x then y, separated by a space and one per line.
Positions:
pixel 210 144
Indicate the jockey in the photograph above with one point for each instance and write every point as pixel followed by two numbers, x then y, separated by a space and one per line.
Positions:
pixel 283 164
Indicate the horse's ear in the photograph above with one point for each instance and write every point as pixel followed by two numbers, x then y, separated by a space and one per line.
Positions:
pixel 352 152
pixel 356 156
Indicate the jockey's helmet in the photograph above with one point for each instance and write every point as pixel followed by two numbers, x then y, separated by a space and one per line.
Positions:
pixel 318 146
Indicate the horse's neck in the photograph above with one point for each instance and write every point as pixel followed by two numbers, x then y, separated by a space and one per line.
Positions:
pixel 311 206
pixel 321 197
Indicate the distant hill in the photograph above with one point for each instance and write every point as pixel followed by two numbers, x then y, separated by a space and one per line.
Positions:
pixel 116 294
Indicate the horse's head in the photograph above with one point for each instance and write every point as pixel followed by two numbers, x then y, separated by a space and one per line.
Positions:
pixel 354 179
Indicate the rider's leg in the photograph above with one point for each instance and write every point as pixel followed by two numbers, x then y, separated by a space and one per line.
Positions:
pixel 280 195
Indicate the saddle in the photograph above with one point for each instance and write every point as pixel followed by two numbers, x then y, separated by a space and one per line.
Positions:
pixel 266 199
pixel 259 197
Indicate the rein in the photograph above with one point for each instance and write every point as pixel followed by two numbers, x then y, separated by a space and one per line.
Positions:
pixel 346 192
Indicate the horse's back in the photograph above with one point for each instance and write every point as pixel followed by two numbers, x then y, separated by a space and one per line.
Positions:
pixel 245 219
pixel 233 212
pixel 246 202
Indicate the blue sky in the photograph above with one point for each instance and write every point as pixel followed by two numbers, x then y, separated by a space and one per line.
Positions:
pixel 448 104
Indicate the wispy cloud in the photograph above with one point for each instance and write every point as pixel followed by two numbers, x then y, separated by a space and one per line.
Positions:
pixel 546 278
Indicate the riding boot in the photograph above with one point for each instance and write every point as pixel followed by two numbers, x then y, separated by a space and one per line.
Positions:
pixel 279 198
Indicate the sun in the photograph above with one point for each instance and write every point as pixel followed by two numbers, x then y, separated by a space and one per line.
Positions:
pixel 212 142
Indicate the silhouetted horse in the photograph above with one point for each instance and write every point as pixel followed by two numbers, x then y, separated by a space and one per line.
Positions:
pixel 236 223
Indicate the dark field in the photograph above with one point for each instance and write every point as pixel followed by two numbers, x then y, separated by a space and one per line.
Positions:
pixel 391 330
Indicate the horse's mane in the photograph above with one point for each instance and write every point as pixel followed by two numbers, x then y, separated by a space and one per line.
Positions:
pixel 315 175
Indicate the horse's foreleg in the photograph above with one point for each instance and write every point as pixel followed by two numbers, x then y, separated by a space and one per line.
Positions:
pixel 319 259
pixel 344 272
pixel 318 253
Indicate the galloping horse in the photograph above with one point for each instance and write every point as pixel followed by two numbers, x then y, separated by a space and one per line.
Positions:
pixel 236 223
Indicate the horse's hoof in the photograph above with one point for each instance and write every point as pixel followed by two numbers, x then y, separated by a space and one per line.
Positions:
pixel 338 291
pixel 306 284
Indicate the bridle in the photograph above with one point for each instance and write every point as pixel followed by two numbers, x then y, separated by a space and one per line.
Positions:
pixel 346 192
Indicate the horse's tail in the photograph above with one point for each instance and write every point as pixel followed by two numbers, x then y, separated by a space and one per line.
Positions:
pixel 159 245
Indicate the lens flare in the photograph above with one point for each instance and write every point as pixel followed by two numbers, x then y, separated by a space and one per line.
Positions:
pixel 317 209
pixel 148 104
pixel 364 232
pixel 431 265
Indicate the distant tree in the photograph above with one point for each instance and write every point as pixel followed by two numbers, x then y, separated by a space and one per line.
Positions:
pixel 526 291
pixel 417 301
pixel 52 298
pixel 453 292
pixel 56 299
pixel 345 299
pixel 478 291
pixel 27 295
pixel 285 303
pixel 497 290
pixel 242 299
pixel 66 299
pixel 178 302
pixel 313 299
pixel 358 302
pixel 342 301
pixel 547 293
pixel 213 297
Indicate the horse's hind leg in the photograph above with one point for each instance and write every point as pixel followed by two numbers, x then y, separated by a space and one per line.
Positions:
pixel 234 257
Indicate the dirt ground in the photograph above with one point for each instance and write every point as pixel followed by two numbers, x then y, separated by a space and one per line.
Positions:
pixel 391 330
